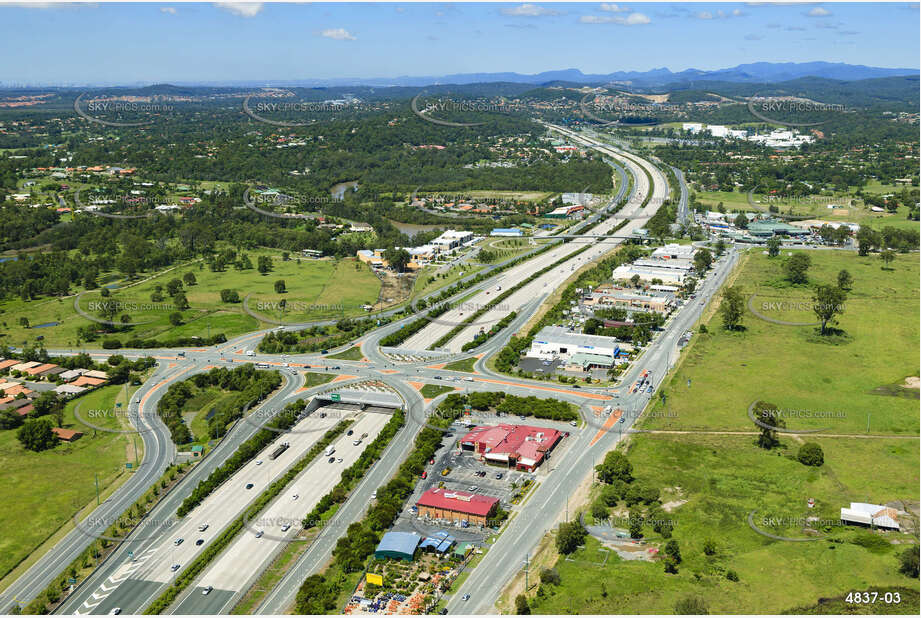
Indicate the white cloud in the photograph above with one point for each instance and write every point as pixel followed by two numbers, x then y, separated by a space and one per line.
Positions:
pixel 818 12
pixel 529 10
pixel 339 34
pixel 704 15
pixel 720 14
pixel 634 19
pixel 243 9
pixel 168 10
pixel 753 37
pixel 613 8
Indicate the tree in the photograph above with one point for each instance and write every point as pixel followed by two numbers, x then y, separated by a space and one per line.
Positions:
pixel 827 302
pixel 732 308
pixel 887 256
pixel 741 221
pixel 671 566
pixel 720 247
pixel 550 576
pixel 48 403
pixel 280 286
pixel 521 605
pixel 189 278
pixel 636 524
pixel 635 280
pixel 265 264
pixel 174 286
pixel 709 547
pixel 797 266
pixel 230 296
pixel 810 454
pixel 599 510
pixel 615 466
pixel 397 259
pixel 773 246
pixel 175 318
pixel 908 562
pixel 867 240
pixel 570 536
pixel 845 280
pixel 691 606
pixel 36 434
pixel 769 417
pixel 673 551
pixel 181 302
pixel 702 261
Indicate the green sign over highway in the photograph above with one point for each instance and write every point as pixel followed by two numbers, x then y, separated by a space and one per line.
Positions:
pixel 336 397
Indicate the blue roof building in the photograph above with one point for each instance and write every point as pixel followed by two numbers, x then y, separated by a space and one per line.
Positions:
pixel 440 542
pixel 397 545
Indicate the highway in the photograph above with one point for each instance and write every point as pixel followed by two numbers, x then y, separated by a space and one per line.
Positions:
pixel 140 567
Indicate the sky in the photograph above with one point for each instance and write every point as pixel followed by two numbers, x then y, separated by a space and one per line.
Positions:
pixel 121 43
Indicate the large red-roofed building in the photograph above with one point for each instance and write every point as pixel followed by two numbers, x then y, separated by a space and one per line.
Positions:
pixel 457 505
pixel 523 447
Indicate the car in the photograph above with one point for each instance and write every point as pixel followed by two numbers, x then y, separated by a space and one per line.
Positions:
pixel 336 368
pixel 649 390
pixel 203 527
pixel 286 527
pixel 258 462
pixel 473 488
pixel 374 494
pixel 178 541
pixel 576 386
pixel 339 460
pixel 200 542
pixel 437 377
pixel 425 474
pixel 444 611
pixel 295 496
pixel 174 568
pixel 115 611
pixel 356 442
pixel 332 460
pixel 259 534
pixel 249 486
pixel 498 475
pixel 207 590
pixel 466 597
pixel 432 460
pixel 621 420
pixel 573 423
pixel 350 432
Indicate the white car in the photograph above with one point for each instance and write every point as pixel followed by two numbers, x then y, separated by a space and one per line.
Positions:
pixel 258 462
pixel 286 527
pixel 259 534
pixel 207 589
pixel 115 611
pixel 203 527
pixel 295 497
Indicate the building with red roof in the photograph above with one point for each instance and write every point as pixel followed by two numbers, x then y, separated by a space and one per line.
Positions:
pixel 523 447
pixel 457 505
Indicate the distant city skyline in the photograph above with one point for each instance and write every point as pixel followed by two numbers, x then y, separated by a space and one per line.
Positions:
pixel 117 43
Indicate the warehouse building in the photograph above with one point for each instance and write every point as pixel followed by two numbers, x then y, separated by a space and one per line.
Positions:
pixel 872 515
pixel 506 231
pixel 626 272
pixel 522 447
pixel 451 239
pixel 442 503
pixel 557 342
pixel 398 546
pixel 674 251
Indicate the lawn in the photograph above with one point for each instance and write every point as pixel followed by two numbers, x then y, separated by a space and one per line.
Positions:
pixel 723 478
pixel 315 290
pixel 430 391
pixel 714 480
pixel 462 365
pixel 312 379
pixel 50 486
pixel 797 369
pixel 354 354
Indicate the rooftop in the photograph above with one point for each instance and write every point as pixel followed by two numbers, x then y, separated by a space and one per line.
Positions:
pixel 460 501
pixel 558 334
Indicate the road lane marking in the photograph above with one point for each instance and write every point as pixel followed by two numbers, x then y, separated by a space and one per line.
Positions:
pixel 607 425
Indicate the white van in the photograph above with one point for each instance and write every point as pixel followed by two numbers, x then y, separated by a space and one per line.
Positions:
pixel 251 353
pixel 330 451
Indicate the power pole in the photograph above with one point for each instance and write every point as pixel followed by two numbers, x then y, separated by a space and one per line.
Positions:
pixel 526 569
pixel 96 477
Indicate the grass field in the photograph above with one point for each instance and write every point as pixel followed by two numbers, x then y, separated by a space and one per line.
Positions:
pixel 316 289
pixel 796 369
pixel 50 486
pixel 462 365
pixel 353 353
pixel 854 210
pixel 312 379
pixel 712 481
pixel 430 391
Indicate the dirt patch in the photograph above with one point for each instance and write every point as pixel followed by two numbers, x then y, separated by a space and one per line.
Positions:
pixel 912 382
pixel 670 506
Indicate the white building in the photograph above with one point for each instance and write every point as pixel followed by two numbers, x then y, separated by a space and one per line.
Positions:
pixel 674 251
pixel 626 272
pixel 682 264
pixel 871 515
pixel 451 239
pixel 556 342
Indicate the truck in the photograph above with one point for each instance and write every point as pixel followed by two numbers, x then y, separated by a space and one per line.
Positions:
pixel 281 448
pixel 330 451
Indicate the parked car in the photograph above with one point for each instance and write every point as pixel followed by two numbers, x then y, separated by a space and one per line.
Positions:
pixel 207 589
pixel 203 527
pixel 174 568
pixel 466 597
pixel 332 460
pixel 259 534
pixel 249 486
pixel 178 541
pixel 295 496
pixel 200 542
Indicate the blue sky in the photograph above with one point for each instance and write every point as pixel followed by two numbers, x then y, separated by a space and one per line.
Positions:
pixel 162 42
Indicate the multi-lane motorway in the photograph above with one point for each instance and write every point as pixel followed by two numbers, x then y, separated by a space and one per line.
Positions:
pixel 141 567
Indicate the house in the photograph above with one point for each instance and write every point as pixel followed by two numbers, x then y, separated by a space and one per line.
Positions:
pixel 6 364
pixel 522 447
pixel 69 390
pixel 72 374
pixel 23 366
pixel 87 381
pixel 67 435
pixel 40 370
pixel 873 515
pixel 441 503
pixel 93 373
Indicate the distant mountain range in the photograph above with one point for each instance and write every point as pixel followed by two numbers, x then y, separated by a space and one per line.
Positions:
pixel 758 72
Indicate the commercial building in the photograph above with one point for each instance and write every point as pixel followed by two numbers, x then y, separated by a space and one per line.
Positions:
pixel 442 503
pixel 873 515
pixel 766 229
pixel 397 545
pixel 626 272
pixel 451 239
pixel 684 264
pixel 506 231
pixel 674 251
pixel 522 447
pixel 630 300
pixel 564 212
pixel 439 542
pixel 557 342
